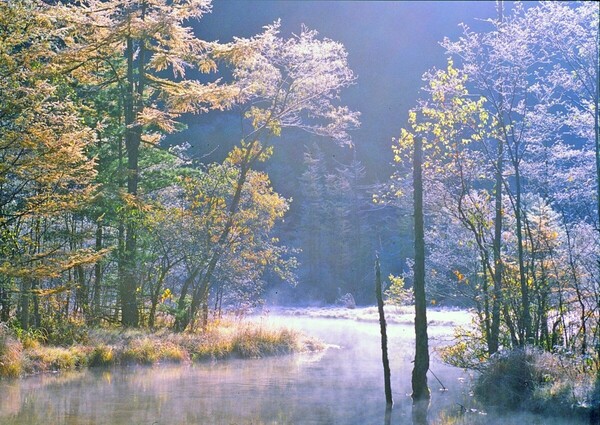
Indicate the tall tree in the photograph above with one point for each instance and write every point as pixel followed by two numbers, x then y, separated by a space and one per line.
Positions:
pixel 147 38
pixel 420 390
pixel 502 73
pixel 568 40
pixel 281 83
pixel 441 127
pixel 248 249
pixel 312 234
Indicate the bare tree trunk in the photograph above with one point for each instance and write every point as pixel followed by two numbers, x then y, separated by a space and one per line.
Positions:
pixel 81 292
pixel 497 301
pixel 493 343
pixel 155 293
pixel 511 326
pixel 37 316
pixel 597 145
pixel 382 325
pixel 597 131
pixel 24 301
pixel 127 286
pixel 182 320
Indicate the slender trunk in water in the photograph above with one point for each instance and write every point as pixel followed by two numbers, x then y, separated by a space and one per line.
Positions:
pixel 384 350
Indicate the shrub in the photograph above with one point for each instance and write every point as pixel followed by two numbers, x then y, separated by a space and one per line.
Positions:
pixel 510 377
pixel 469 350
pixel 30 338
pixel 534 380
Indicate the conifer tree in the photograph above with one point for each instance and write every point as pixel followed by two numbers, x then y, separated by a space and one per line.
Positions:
pixel 129 44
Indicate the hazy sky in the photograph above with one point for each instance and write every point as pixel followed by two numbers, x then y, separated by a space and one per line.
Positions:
pixel 390 45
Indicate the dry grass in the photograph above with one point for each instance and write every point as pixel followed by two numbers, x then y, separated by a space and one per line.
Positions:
pixel 102 355
pixel 45 358
pixel 253 341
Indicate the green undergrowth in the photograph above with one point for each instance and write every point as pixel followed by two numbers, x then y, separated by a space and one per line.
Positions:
pixel 26 354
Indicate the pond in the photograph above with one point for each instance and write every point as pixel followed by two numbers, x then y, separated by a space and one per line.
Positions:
pixel 341 385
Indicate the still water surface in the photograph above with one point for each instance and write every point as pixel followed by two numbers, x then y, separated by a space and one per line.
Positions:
pixel 341 385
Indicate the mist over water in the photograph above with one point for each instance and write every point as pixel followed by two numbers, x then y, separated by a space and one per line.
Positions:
pixel 341 385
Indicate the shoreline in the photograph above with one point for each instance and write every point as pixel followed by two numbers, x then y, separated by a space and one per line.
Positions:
pixel 102 347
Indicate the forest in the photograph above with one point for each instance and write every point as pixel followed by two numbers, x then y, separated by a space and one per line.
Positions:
pixel 153 180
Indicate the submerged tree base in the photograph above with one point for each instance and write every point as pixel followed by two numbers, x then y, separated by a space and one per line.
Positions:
pixel 106 347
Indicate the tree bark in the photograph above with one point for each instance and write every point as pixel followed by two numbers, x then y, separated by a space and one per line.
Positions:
pixel 493 343
pixel 525 301
pixel 182 320
pixel 155 292
pixel 420 390
pixel 128 287
pixel 37 316
pixel 81 292
pixel 24 301
pixel 97 275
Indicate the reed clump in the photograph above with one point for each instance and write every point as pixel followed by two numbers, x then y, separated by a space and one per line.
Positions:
pixel 43 358
pixel 252 341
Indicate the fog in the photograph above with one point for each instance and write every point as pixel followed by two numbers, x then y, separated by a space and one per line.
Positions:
pixel 390 45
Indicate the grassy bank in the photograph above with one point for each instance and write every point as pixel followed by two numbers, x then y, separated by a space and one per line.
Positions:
pixel 28 354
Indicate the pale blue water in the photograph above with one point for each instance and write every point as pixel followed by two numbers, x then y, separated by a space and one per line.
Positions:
pixel 342 385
